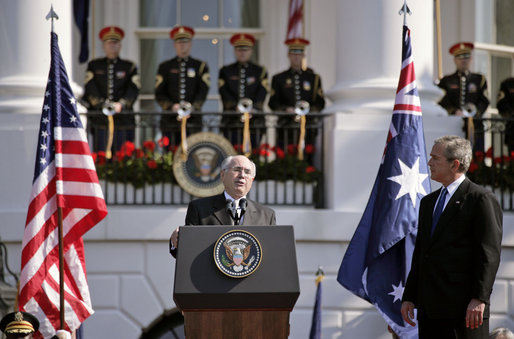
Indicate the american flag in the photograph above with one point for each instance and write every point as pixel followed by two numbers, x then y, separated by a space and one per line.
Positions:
pixel 64 177
pixel 378 258
pixel 295 23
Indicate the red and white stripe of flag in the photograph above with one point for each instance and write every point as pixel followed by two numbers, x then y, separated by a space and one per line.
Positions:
pixel 72 181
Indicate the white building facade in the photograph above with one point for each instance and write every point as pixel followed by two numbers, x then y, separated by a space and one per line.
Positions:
pixel 355 47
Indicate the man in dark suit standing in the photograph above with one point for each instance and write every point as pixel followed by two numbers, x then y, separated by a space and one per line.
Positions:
pixel 230 207
pixel 457 251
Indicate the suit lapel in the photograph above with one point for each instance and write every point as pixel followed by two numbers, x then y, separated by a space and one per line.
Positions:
pixel 219 210
pixel 250 214
pixel 452 208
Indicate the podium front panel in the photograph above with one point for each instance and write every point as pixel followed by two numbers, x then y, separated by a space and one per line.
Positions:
pixel 200 285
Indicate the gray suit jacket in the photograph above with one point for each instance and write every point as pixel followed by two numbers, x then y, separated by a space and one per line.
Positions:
pixel 212 211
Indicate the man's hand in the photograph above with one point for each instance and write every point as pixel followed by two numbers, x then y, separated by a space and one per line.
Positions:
pixel 174 238
pixel 408 312
pixel 475 314
pixel 175 107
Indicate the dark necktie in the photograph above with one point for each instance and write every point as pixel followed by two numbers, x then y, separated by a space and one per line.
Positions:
pixel 439 208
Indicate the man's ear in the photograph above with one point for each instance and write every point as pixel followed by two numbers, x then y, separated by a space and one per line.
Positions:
pixel 455 165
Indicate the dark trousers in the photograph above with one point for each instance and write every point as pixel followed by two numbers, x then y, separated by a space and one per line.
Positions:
pixel 449 328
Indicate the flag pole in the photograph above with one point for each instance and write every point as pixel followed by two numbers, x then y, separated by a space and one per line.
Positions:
pixel 439 39
pixel 51 16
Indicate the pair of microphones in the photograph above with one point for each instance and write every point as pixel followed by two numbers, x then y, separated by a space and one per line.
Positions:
pixel 232 209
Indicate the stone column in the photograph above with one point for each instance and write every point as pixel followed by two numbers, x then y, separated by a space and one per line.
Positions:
pixel 369 56
pixel 26 51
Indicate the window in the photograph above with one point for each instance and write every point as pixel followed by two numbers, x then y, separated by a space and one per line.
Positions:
pixel 214 23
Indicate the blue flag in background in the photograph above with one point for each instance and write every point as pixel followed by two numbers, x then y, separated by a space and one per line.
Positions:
pixel 81 15
pixel 378 258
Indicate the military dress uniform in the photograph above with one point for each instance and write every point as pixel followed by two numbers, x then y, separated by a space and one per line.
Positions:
pixel 506 109
pixel 464 89
pixel 293 85
pixel 181 79
pixel 237 81
pixel 111 80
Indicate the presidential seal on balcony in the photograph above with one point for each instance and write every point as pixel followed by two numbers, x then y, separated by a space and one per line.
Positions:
pixel 237 253
pixel 199 173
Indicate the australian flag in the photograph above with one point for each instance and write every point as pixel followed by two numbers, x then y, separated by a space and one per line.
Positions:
pixel 378 258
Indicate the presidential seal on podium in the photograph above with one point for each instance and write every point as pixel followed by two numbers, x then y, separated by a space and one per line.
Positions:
pixel 237 253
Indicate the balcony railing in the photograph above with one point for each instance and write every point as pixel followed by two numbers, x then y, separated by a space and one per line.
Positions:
pixel 140 169
pixel 493 163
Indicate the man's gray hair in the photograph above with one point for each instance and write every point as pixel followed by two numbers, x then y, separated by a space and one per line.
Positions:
pixel 456 148
pixel 227 162
pixel 501 333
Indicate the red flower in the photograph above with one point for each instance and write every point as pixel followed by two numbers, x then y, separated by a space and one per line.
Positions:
pixel 164 141
pixel 309 149
pixel 151 164
pixel 139 153
pixel 472 167
pixel 101 157
pixel 498 160
pixel 292 149
pixel 265 146
pixel 489 153
pixel 479 156
pixel 280 152
pixel 173 148
pixel 149 145
pixel 263 152
pixel 127 148
pixel 310 169
pixel 238 148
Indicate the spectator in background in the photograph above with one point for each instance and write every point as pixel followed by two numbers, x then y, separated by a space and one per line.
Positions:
pixel 501 333
pixel 19 325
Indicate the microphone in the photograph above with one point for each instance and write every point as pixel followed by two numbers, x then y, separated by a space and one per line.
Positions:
pixel 231 210
pixel 243 204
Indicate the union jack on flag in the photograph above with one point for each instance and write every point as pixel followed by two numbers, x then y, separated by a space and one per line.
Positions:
pixel 64 177
pixel 377 262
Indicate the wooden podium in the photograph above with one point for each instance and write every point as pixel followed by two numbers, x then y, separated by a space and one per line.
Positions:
pixel 217 305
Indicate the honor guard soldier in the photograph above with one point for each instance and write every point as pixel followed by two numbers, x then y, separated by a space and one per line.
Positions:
pixel 465 93
pixel 506 109
pixel 243 78
pixel 182 79
pixel 19 325
pixel 296 84
pixel 112 86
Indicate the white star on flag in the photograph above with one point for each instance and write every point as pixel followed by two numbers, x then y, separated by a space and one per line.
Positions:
pixel 46 107
pixel 43 147
pixel 45 121
pixel 397 292
pixel 43 161
pixel 73 100
pixel 44 134
pixel 411 181
pixel 73 119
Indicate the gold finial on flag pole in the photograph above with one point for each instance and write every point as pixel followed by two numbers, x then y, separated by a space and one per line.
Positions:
pixel 52 15
pixel 405 10
pixel 320 275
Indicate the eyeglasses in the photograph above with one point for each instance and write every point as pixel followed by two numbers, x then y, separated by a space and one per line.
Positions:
pixel 241 170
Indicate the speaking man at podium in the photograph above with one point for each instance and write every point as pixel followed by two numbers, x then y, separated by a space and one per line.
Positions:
pixel 230 207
